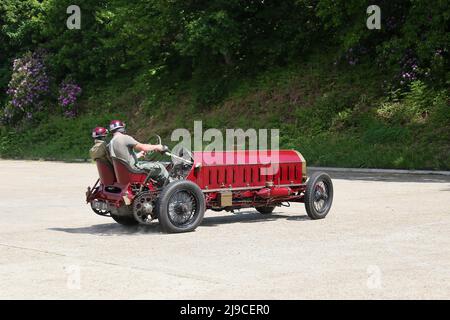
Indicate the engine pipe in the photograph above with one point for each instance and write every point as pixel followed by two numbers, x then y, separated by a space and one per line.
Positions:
pixel 274 192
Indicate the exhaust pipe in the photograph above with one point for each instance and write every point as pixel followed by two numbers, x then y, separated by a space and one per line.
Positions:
pixel 274 192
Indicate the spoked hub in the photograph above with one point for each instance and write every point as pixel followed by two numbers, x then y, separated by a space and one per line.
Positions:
pixel 143 206
pixel 320 196
pixel 182 208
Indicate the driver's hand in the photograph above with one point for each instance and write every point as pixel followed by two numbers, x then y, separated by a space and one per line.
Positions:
pixel 159 147
pixel 140 154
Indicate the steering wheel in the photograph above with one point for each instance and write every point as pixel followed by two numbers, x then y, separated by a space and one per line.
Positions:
pixel 180 157
pixel 158 141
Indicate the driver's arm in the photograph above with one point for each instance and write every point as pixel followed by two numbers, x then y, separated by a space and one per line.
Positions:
pixel 148 147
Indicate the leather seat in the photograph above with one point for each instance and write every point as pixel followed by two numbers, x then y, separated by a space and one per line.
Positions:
pixel 127 166
pixel 106 172
pixel 124 172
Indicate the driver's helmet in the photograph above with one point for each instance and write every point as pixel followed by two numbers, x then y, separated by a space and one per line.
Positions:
pixel 116 124
pixel 99 132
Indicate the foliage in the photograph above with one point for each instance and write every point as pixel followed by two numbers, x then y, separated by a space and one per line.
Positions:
pixel 28 86
pixel 58 137
pixel 412 43
pixel 413 106
pixel 341 93
pixel 19 33
pixel 69 92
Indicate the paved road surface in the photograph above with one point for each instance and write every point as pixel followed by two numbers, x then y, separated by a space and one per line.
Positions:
pixel 386 237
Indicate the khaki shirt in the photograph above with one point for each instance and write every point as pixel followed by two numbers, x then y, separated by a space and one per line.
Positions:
pixel 99 151
pixel 121 146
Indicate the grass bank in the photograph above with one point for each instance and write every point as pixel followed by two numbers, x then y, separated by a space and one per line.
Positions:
pixel 335 115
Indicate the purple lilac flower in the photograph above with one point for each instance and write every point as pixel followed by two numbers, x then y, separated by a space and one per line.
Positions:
pixel 29 83
pixel 68 95
pixel 410 68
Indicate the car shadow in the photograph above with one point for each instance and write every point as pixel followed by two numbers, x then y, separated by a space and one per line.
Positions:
pixel 248 217
pixel 388 177
pixel 114 229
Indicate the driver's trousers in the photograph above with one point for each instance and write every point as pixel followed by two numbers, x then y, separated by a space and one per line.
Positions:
pixel 157 171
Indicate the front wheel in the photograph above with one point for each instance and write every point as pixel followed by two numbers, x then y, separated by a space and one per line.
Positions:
pixel 180 207
pixel 318 195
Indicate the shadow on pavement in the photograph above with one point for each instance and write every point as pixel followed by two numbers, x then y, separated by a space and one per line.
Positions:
pixel 248 217
pixel 114 229
pixel 388 177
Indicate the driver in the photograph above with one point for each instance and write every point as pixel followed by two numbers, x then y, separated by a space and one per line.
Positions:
pixel 122 146
pixel 99 150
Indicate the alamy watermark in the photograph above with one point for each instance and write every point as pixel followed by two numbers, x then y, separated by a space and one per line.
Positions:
pixel 74 20
pixel 374 19
pixel 249 146
pixel 73 277
pixel 374 279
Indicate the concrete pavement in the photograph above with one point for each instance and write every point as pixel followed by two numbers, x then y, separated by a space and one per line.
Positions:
pixel 387 236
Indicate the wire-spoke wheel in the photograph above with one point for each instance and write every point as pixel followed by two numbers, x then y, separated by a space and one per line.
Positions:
pixel 181 206
pixel 318 195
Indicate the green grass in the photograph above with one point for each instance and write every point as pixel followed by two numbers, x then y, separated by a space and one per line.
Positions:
pixel 56 138
pixel 334 115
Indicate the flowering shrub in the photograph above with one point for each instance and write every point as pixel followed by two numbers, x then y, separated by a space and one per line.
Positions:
pixel 68 93
pixel 409 65
pixel 28 86
pixel 413 106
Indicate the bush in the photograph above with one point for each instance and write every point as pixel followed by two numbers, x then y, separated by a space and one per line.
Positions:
pixel 69 92
pixel 28 87
pixel 440 114
pixel 413 106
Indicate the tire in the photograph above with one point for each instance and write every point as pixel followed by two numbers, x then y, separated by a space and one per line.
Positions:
pixel 124 220
pixel 265 210
pixel 318 187
pixel 180 207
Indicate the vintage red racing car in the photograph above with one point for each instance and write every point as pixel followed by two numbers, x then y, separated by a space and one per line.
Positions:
pixel 225 180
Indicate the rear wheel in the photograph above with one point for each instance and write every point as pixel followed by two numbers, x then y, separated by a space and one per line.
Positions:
pixel 104 213
pixel 97 210
pixel 124 220
pixel 265 210
pixel 181 206
pixel 318 195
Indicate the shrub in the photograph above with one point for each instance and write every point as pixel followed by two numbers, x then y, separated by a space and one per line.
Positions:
pixel 342 120
pixel 413 106
pixel 28 87
pixel 440 114
pixel 69 92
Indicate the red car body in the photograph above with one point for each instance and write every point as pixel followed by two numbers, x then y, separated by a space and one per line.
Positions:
pixel 228 180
